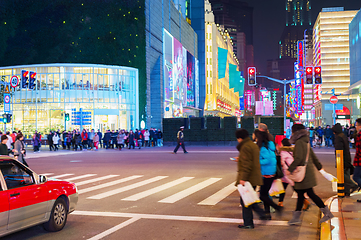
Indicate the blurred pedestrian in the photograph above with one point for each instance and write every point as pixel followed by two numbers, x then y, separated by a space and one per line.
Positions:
pixel 341 143
pixel 357 159
pixel 249 170
pixel 304 156
pixel 268 163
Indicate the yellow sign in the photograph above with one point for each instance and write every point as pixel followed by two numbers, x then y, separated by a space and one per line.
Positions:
pixel 7 89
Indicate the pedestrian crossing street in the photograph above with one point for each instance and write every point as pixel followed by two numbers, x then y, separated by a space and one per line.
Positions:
pixel 91 183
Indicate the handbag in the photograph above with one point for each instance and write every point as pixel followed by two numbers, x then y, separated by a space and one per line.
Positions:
pixel 299 173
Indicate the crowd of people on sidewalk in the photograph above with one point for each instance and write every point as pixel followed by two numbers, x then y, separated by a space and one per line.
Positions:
pixel 93 140
pixel 13 144
pixel 326 135
pixel 261 163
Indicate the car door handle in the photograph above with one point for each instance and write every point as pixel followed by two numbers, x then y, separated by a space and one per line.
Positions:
pixel 14 194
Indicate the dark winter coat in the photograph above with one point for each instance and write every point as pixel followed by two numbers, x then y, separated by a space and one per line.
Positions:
pixel 106 137
pixel 341 143
pixel 77 139
pixel 328 132
pixel 301 140
pixel 249 167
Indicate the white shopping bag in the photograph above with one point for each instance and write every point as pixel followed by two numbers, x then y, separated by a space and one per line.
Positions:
pixel 248 194
pixel 334 186
pixel 276 188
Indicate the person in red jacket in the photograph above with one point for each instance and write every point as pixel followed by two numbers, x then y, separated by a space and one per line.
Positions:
pixel 84 139
pixel 357 159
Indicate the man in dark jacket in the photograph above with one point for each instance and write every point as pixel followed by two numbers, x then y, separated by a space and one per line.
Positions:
pixel 249 169
pixel 320 134
pixel 180 141
pixel 50 141
pixel 106 139
pixel 328 136
pixel 341 143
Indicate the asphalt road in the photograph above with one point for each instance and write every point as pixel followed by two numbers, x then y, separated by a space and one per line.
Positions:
pixel 153 194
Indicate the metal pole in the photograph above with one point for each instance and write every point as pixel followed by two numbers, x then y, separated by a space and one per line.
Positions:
pixel 284 107
pixel 334 113
pixel 340 174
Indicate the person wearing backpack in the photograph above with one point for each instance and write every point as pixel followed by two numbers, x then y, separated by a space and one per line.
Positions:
pixel 268 163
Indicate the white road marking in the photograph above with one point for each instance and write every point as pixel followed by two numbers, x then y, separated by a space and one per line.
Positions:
pixel 185 193
pixel 175 217
pixel 149 192
pixel 114 229
pixel 63 175
pixel 46 174
pixel 219 196
pixel 126 188
pixel 108 184
pixel 95 180
pixel 79 177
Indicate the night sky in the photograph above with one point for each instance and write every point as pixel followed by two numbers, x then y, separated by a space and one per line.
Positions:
pixel 269 18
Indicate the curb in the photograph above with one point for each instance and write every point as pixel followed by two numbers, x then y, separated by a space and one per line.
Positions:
pixel 335 223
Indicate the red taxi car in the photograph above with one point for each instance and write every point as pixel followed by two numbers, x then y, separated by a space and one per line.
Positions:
pixel 28 199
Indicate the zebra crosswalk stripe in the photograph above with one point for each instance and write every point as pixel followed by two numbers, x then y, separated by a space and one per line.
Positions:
pixel 95 180
pixel 79 177
pixel 149 192
pixel 46 174
pixel 126 188
pixel 219 196
pixel 89 189
pixel 63 175
pixel 185 193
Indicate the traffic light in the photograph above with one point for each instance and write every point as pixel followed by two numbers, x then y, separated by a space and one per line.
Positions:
pixel 8 117
pixel 252 76
pixel 318 78
pixel 5 119
pixel 309 75
pixel 24 78
pixel 67 117
pixel 32 80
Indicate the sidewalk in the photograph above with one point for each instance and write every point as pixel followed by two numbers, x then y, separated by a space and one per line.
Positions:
pixel 347 221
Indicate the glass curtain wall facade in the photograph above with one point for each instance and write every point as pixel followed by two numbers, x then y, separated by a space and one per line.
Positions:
pixel 107 96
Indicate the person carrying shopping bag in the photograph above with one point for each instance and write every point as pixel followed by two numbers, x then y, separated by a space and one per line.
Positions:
pixel 268 163
pixel 249 170
pixel 306 158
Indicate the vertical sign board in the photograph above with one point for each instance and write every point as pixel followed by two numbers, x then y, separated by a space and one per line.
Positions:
pixel 7 103
pixel 300 53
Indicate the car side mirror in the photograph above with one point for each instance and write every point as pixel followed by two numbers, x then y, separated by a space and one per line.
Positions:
pixel 43 179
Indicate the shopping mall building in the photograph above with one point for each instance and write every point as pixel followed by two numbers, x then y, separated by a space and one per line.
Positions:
pixel 106 94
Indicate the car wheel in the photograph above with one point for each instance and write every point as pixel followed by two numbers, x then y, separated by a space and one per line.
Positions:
pixel 58 216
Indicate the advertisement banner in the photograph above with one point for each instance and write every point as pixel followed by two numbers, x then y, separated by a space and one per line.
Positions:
pixel 178 70
pixel 190 80
pixel 168 66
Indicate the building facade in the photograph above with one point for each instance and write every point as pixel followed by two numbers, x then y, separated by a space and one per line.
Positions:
pixel 223 78
pixel 355 65
pixel 169 20
pixel 331 52
pixel 236 16
pixel 106 95
pixel 298 19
